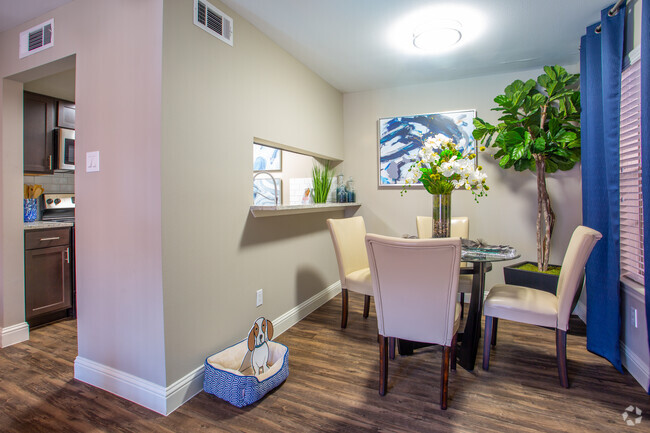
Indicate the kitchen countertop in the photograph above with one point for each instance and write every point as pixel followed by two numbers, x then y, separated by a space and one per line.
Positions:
pixel 46 225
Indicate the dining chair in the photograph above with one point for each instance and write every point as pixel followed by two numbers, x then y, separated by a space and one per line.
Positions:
pixel 459 228
pixel 348 237
pixel 415 282
pixel 536 307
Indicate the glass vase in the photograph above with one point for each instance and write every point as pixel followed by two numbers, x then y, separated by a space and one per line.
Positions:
pixel 441 221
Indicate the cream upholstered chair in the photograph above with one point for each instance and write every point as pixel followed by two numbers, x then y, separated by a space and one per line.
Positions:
pixel 459 228
pixel 348 236
pixel 412 305
pixel 526 305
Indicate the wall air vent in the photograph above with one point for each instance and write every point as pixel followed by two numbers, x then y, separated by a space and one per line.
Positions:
pixel 36 39
pixel 213 21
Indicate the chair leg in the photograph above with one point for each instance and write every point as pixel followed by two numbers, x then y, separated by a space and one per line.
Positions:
pixel 366 306
pixel 560 345
pixel 486 342
pixel 344 305
pixel 444 377
pixel 495 323
pixel 454 342
pixel 383 365
pixel 391 347
pixel 462 304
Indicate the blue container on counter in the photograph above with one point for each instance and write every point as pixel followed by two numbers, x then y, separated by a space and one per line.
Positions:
pixel 30 209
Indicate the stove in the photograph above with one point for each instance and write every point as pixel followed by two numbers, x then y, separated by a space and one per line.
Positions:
pixel 58 207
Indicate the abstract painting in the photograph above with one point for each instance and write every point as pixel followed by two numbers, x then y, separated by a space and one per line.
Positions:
pixel 266 158
pixel 400 139
pixel 264 192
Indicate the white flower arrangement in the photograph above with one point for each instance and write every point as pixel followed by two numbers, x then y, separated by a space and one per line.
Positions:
pixel 443 166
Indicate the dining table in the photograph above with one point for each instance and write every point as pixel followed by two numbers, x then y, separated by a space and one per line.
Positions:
pixel 476 264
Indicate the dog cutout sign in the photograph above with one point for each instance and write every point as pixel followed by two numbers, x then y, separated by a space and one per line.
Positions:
pixel 257 356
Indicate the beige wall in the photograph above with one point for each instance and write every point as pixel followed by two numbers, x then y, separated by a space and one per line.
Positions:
pixel 216 98
pixel 59 85
pixel 12 299
pixel 506 216
pixel 118 240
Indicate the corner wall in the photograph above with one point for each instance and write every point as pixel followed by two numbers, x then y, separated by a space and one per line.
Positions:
pixel 118 245
pixel 216 98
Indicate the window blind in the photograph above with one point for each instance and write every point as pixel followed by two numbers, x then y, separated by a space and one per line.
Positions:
pixel 630 179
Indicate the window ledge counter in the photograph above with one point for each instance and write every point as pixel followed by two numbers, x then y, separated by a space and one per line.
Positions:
pixel 293 209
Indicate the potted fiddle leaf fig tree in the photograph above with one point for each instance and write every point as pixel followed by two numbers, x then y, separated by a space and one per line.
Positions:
pixel 539 130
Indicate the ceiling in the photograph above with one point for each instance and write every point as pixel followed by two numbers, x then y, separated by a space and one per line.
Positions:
pixel 348 42
pixel 16 12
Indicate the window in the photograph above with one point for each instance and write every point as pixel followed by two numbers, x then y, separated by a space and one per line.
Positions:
pixel 630 179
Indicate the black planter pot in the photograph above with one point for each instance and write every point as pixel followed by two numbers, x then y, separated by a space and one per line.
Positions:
pixel 536 280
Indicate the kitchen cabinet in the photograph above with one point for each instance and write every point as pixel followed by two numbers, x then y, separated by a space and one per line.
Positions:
pixel 48 275
pixel 65 117
pixel 38 139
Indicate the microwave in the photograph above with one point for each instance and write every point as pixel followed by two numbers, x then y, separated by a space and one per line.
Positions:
pixel 64 149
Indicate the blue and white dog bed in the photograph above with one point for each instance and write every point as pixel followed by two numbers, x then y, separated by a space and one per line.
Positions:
pixel 224 379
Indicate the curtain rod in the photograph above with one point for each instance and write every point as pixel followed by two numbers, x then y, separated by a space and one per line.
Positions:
pixel 613 11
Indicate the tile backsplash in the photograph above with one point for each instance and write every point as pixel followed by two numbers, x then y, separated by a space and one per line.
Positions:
pixel 53 183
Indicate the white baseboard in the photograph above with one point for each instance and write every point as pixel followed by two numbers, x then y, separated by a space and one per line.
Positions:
pixel 635 365
pixel 148 394
pixel 296 314
pixel 166 400
pixel 14 334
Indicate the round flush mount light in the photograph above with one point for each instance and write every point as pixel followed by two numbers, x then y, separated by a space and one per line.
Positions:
pixel 437 29
pixel 437 35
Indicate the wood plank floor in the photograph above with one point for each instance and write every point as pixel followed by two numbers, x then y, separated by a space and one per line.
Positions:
pixel 333 387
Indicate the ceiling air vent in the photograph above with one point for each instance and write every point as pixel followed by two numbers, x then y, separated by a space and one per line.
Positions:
pixel 36 39
pixel 213 21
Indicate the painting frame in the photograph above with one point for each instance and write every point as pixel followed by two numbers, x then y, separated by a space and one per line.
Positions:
pixel 263 188
pixel 266 158
pixel 399 139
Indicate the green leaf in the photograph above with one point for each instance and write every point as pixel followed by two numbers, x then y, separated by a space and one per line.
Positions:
pixel 517 152
pixel 539 145
pixel 565 137
pixel 503 163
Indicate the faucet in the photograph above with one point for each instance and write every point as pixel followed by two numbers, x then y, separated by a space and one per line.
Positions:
pixel 275 184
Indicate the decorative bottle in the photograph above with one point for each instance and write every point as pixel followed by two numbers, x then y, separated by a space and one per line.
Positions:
pixel 349 188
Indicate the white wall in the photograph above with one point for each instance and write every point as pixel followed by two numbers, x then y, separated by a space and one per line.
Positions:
pixel 506 216
pixel 118 62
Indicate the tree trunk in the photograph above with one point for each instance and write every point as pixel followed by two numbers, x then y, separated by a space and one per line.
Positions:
pixel 545 212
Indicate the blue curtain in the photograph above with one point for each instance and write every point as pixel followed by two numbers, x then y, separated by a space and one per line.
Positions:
pixel 601 63
pixel 645 147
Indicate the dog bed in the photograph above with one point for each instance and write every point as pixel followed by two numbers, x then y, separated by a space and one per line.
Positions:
pixel 241 388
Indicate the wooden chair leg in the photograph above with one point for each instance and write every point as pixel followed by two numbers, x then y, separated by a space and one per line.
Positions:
pixel 391 347
pixel 495 323
pixel 462 304
pixel 486 342
pixel 383 365
pixel 444 377
pixel 344 306
pixel 454 342
pixel 560 345
pixel 366 306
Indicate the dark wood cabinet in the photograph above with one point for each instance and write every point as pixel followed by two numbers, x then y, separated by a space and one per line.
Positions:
pixel 48 275
pixel 66 112
pixel 38 137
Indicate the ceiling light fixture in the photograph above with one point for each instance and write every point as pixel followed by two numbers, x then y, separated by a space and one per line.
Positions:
pixel 437 35
pixel 437 29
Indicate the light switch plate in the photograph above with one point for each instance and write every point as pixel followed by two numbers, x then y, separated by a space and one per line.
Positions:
pixel 92 161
